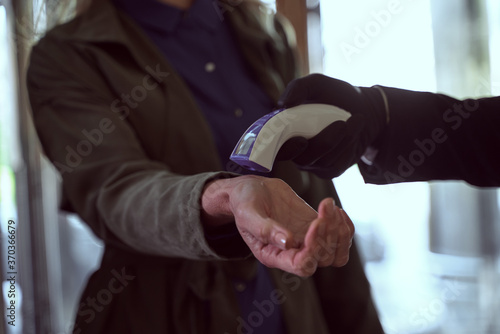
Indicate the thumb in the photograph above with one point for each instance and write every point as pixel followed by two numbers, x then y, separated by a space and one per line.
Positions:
pixel 326 208
pixel 297 92
pixel 313 88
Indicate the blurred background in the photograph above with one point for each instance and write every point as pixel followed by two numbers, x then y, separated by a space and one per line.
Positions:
pixel 431 250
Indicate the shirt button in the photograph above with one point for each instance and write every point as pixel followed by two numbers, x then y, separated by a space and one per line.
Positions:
pixel 240 287
pixel 238 112
pixel 209 67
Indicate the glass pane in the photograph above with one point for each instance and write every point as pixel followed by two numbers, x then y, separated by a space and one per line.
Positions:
pixel 10 159
pixel 368 42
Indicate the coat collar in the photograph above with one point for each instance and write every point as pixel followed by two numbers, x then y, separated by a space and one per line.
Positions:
pixel 101 22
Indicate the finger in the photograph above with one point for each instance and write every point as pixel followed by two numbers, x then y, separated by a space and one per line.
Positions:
pixel 266 231
pixel 320 244
pixel 269 255
pixel 272 233
pixel 335 162
pixel 295 93
pixel 322 144
pixel 305 90
pixel 344 144
pixel 292 148
pixel 349 222
pixel 281 238
pixel 299 261
pixel 289 260
pixel 345 240
pixel 327 242
pixel 306 261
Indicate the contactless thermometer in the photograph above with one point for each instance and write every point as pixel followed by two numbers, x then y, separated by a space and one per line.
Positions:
pixel 259 145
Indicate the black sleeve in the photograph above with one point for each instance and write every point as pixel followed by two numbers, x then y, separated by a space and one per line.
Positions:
pixel 436 137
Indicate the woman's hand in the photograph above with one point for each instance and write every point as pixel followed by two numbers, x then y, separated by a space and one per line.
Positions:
pixel 280 229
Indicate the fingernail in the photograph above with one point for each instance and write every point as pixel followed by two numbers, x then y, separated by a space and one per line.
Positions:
pixel 281 239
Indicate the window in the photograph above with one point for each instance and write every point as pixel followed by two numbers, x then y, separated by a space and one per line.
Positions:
pixel 410 239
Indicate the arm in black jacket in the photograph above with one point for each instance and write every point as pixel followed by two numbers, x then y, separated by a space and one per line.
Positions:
pixel 436 137
pixel 398 135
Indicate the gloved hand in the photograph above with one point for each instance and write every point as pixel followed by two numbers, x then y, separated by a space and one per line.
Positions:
pixel 341 144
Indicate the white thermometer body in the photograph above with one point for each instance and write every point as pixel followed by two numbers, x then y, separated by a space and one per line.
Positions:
pixel 259 145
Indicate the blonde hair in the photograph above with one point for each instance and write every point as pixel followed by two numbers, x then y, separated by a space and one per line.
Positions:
pixel 50 13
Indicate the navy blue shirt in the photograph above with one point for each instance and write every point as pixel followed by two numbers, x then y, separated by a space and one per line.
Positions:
pixel 199 45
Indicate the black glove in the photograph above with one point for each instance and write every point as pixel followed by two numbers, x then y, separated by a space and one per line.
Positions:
pixel 341 144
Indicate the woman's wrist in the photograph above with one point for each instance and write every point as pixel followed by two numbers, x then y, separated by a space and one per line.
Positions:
pixel 215 208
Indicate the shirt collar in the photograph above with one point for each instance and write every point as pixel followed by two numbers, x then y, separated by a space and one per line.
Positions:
pixel 207 13
pixel 155 15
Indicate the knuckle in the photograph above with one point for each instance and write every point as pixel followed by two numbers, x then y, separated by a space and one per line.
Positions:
pixel 344 232
pixel 343 261
pixel 308 267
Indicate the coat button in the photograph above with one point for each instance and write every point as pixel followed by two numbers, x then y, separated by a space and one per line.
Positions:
pixel 238 112
pixel 240 287
pixel 210 67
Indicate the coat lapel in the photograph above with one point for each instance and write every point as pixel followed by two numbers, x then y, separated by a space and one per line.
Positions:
pixel 105 27
pixel 103 23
